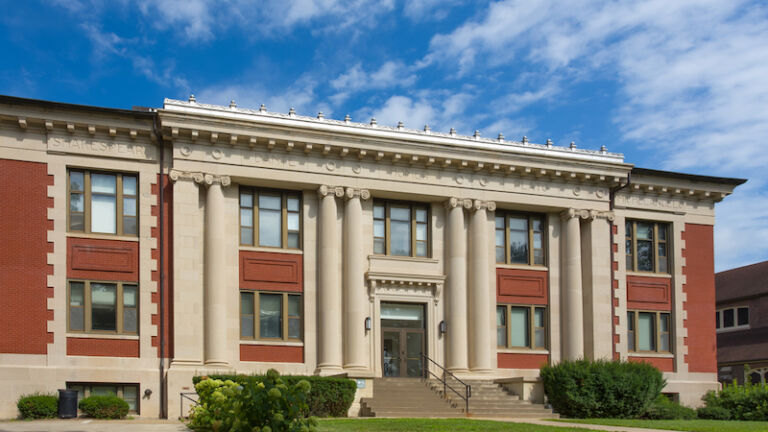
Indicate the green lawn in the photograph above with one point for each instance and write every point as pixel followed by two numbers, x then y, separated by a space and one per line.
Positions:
pixel 680 425
pixel 433 425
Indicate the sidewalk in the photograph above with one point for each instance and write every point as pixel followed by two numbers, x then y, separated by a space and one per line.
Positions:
pixel 83 425
pixel 585 426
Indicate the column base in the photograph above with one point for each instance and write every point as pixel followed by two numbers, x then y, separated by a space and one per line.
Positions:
pixel 326 370
pixel 217 364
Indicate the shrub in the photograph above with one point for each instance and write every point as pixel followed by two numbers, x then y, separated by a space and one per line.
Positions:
pixel 664 408
pixel 268 405
pixel 328 396
pixel 38 406
pixel 713 413
pixel 593 389
pixel 742 402
pixel 104 407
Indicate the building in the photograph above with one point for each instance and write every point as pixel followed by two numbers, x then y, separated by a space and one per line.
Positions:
pixel 144 247
pixel 742 324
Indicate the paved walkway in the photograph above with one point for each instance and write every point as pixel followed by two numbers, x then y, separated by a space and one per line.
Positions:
pixel 584 426
pixel 86 425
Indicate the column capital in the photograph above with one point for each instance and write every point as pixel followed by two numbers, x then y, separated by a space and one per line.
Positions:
pixel 199 177
pixel 363 194
pixel 210 179
pixel 574 213
pixel 326 190
pixel 483 205
pixel 597 214
pixel 454 202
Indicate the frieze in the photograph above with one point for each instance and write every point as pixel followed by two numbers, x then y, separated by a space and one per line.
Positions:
pixel 90 146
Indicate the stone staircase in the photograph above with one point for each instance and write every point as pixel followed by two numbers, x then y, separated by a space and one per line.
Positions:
pixel 492 400
pixel 406 397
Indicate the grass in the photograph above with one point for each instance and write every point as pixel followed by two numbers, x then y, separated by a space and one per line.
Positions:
pixel 433 425
pixel 680 425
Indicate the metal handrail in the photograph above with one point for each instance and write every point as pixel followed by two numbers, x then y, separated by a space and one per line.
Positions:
pixel 185 395
pixel 467 388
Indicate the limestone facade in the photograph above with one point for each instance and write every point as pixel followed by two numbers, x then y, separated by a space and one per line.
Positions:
pixel 341 170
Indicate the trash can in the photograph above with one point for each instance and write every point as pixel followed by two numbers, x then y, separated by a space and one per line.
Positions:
pixel 67 403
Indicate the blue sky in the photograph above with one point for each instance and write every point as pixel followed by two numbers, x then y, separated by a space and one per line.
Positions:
pixel 676 85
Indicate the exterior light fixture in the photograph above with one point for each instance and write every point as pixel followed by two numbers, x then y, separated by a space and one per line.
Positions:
pixel 367 323
pixel 443 327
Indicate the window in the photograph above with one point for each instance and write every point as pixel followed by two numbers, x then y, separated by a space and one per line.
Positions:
pixel 270 316
pixel 270 218
pixel 734 318
pixel 648 331
pixel 647 246
pixel 126 392
pixel 103 203
pixel 520 239
pixel 521 326
pixel 103 307
pixel 400 229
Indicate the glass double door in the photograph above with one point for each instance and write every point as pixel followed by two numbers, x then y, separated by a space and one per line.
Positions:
pixel 402 339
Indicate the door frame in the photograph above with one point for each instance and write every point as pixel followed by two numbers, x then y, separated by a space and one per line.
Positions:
pixel 403 337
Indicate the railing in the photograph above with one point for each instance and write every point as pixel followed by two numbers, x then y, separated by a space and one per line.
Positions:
pixel 185 395
pixel 444 380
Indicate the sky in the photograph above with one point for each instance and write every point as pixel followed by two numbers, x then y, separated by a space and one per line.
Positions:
pixel 674 85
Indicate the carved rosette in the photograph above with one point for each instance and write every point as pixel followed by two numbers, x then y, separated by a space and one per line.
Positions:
pixel 454 202
pixel 363 194
pixel 483 205
pixel 326 190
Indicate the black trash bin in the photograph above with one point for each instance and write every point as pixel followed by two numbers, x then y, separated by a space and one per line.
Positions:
pixel 67 403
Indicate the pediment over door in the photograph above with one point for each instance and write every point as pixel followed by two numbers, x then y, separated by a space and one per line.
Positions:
pixel 405 285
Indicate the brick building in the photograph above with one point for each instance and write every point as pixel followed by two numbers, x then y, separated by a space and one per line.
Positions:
pixel 144 247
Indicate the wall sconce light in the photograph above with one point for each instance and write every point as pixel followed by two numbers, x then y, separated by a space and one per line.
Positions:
pixel 368 324
pixel 443 327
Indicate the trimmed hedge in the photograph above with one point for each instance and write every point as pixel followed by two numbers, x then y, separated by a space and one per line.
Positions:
pixel 664 408
pixel 104 407
pixel 598 389
pixel 737 402
pixel 328 396
pixel 38 406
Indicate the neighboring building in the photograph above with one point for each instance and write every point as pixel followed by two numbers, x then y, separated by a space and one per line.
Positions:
pixel 742 323
pixel 141 248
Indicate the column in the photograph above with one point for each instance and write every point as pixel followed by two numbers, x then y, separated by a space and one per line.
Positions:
pixel 480 296
pixel 329 353
pixel 597 285
pixel 456 285
pixel 573 303
pixel 214 265
pixel 355 301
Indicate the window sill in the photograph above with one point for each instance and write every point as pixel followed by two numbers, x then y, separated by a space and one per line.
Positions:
pixel 651 354
pixel 102 336
pixel 650 274
pixel 521 351
pixel 403 258
pixel 732 329
pixel 103 236
pixel 271 249
pixel 271 343
pixel 522 267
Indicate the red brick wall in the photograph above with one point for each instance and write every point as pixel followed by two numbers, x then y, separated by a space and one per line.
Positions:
pixel 650 293
pixel 662 364
pixel 102 347
pixel 271 271
pixel 521 286
pixel 167 265
pixel 521 361
pixel 272 353
pixel 96 259
pixel 24 268
pixel 699 287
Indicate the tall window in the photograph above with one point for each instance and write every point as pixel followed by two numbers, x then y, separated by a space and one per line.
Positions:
pixel 647 246
pixel 103 307
pixel 520 239
pixel 270 316
pixel 648 331
pixel 270 218
pixel 521 326
pixel 400 229
pixel 103 202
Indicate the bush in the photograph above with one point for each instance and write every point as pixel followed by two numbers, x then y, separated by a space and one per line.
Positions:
pixel 742 402
pixel 594 389
pixel 38 406
pixel 713 413
pixel 104 407
pixel 268 405
pixel 664 408
pixel 328 396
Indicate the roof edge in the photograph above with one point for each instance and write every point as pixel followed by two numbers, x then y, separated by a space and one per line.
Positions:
pixel 692 177
pixel 15 100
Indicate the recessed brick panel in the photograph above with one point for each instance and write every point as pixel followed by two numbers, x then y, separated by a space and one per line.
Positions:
pixel 272 353
pixel 271 271
pixel 97 259
pixel 521 286
pixel 102 347
pixel 652 293
pixel 521 360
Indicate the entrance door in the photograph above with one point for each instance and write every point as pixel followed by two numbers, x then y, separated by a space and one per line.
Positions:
pixel 402 339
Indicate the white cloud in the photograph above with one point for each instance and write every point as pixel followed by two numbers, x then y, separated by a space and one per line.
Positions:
pixel 390 74
pixel 300 96
pixel 428 10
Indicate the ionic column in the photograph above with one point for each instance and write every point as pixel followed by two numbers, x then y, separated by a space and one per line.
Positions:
pixel 456 285
pixel 355 301
pixel 329 354
pixel 479 292
pixel 214 272
pixel 573 303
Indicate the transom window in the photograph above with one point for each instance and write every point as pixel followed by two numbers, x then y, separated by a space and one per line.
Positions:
pixel 270 316
pixel 126 392
pixel 270 218
pixel 648 331
pixel 521 326
pixel 732 318
pixel 401 229
pixel 520 239
pixel 103 307
pixel 102 202
pixel 647 246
